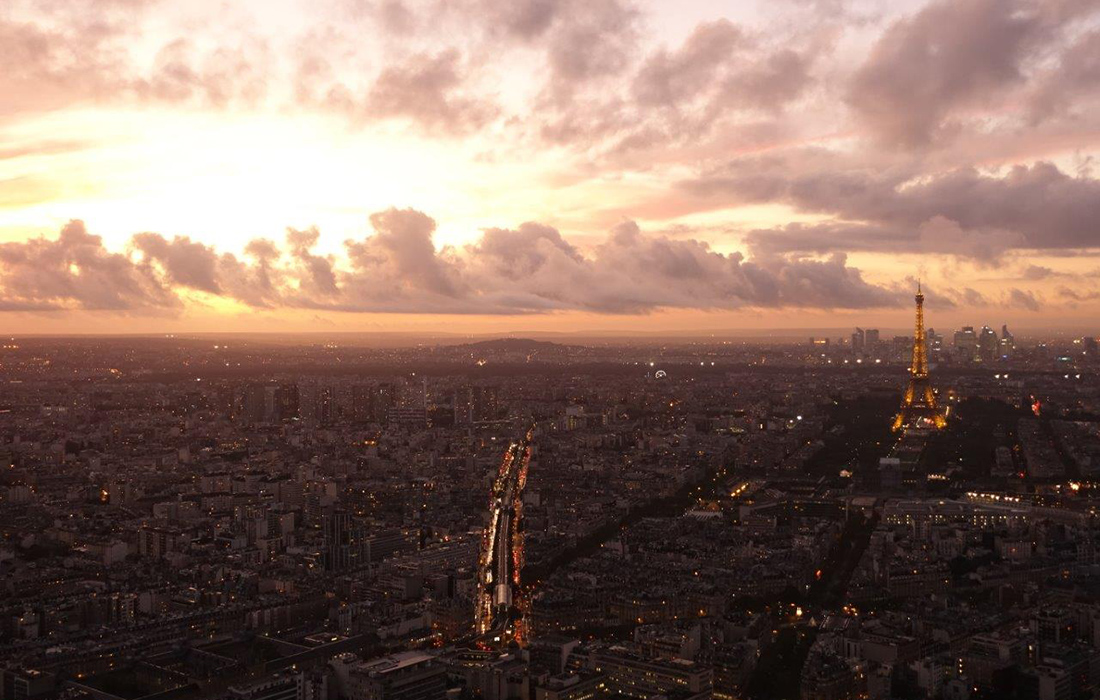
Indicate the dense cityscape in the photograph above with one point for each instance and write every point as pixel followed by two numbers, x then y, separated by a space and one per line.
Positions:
pixel 549 349
pixel 512 519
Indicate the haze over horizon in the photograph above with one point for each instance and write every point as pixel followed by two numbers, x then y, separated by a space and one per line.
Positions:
pixel 526 166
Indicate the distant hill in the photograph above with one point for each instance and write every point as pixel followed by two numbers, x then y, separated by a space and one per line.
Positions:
pixel 516 345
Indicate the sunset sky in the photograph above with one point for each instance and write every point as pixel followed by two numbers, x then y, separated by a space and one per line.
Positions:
pixel 508 165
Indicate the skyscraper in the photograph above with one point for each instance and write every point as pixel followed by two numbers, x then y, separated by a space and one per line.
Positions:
pixel 966 344
pixel 987 344
pixel 935 345
pixel 870 339
pixel 1007 344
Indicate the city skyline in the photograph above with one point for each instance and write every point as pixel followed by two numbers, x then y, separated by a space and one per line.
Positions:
pixel 492 167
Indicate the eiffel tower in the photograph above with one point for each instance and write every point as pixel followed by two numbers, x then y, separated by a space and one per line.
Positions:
pixel 919 408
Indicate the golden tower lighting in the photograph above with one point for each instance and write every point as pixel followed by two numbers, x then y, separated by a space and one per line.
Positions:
pixel 919 408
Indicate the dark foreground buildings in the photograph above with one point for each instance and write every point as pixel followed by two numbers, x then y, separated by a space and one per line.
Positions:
pixel 696 520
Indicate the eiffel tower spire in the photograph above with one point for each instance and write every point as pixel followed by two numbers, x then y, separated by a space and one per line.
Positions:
pixel 919 408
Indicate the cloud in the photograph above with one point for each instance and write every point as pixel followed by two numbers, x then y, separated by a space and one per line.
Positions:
pixel 184 262
pixel 50 67
pixel 396 17
pixel 593 74
pixel 631 272
pixel 725 67
pixel 1072 81
pixel 398 269
pixel 954 55
pixel 224 75
pixel 316 274
pixel 769 84
pixel 515 254
pixel 258 283
pixel 1075 295
pixel 970 298
pixel 1023 299
pixel 721 78
pixel 427 89
pixel 942 235
pixel 673 77
pixel 70 53
pixel 1037 272
pixel 592 39
pixel 962 212
pixel 526 20
pixel 530 269
pixel 76 271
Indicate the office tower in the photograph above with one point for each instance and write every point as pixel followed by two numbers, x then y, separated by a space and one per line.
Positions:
pixel 858 340
pixel 254 403
pixel 269 403
pixel 287 399
pixel 1007 343
pixel 476 403
pixel 870 340
pixel 935 345
pixel 987 344
pixel 966 344
pixel 317 402
pixel 371 403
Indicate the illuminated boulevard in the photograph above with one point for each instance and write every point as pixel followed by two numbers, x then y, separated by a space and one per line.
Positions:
pixel 498 618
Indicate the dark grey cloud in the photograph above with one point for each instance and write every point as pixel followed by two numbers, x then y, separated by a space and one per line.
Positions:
pixel 962 212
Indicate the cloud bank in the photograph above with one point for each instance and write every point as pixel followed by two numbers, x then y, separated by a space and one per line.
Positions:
pixel 529 269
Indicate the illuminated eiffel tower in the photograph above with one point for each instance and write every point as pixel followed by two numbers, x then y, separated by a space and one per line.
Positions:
pixel 919 408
